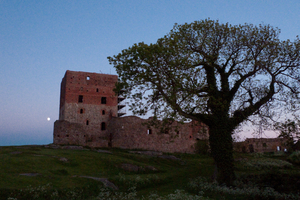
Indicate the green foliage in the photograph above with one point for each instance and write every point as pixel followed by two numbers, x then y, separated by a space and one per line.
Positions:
pixel 202 147
pixel 208 68
pixel 219 74
pixel 131 194
pixel 240 191
pixel 268 177
pixel 138 181
pixel 281 180
pixel 266 163
pixel 294 157
pixel 178 195
pixel 48 192
pixel 59 172
pixel 289 130
pixel 106 194
pixel 258 155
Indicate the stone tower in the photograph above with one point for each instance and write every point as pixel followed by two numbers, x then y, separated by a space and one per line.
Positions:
pixel 87 103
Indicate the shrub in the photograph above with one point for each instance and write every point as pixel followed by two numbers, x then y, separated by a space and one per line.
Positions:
pixel 178 195
pixel 48 192
pixel 294 158
pixel 202 147
pixel 137 180
pixel 131 194
pixel 107 194
pixel 258 155
pixel 241 190
pixel 266 163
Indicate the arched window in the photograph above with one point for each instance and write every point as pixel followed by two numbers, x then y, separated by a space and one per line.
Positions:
pixel 81 111
pixel 87 122
pixel 103 126
pixel 103 112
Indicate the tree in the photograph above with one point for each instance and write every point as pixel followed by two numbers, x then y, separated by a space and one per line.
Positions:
pixel 219 74
pixel 289 130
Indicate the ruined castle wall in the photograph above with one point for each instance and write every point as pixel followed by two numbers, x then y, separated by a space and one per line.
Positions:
pixel 132 133
pixel 68 133
pixel 261 145
pixel 88 117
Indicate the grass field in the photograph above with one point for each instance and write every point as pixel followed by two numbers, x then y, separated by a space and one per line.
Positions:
pixel 44 172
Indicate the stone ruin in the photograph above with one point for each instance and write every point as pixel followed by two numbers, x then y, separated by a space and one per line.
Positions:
pixel 90 114
pixel 261 145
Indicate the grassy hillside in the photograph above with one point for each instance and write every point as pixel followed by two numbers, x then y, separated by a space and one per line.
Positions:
pixel 50 172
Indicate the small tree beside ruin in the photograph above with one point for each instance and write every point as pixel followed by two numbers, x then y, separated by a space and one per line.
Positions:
pixel 290 131
pixel 219 74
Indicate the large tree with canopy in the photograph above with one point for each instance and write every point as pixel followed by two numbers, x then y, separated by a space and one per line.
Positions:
pixel 218 74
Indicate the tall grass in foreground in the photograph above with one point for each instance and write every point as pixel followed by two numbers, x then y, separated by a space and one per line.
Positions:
pixel 241 191
pixel 248 192
pixel 132 195
pixel 45 192
pixel 50 193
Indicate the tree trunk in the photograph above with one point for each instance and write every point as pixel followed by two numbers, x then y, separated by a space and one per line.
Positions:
pixel 221 145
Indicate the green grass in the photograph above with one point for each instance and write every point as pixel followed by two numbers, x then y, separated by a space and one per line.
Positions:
pixel 47 162
pixel 60 170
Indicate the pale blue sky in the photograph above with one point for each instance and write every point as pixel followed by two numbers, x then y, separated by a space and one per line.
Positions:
pixel 40 40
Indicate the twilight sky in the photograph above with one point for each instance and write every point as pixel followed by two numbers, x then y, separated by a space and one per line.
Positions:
pixel 40 40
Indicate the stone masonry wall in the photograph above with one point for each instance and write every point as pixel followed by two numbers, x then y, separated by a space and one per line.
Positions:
pixel 67 133
pixel 261 145
pixel 132 133
pixel 83 88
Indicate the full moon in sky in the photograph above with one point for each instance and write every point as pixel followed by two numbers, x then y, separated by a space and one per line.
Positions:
pixel 48 119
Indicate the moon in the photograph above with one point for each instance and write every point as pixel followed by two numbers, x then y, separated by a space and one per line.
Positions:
pixel 48 119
